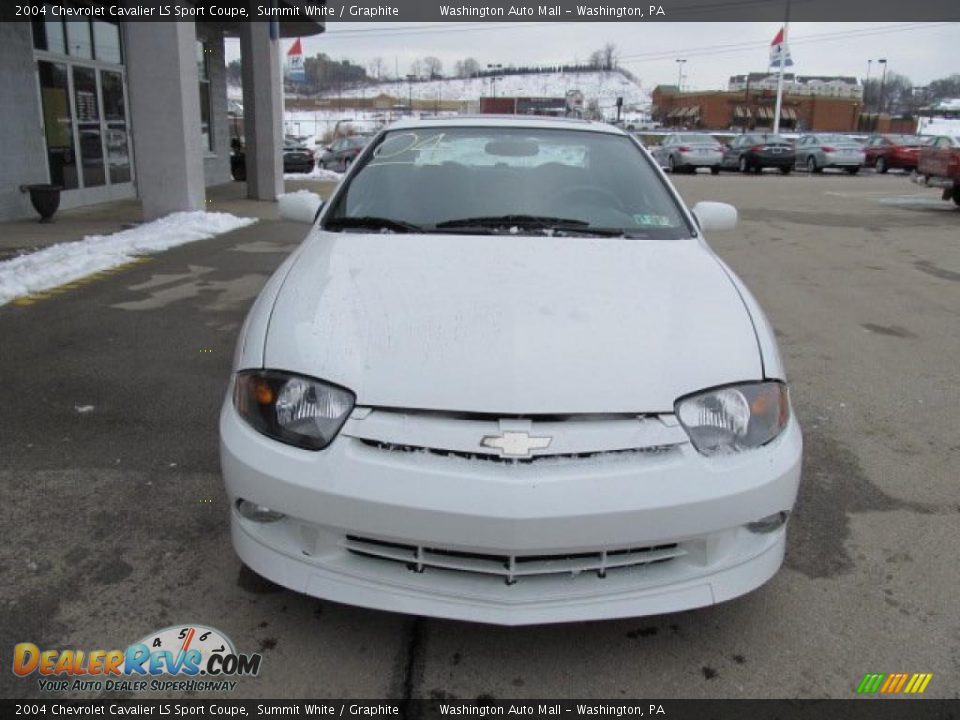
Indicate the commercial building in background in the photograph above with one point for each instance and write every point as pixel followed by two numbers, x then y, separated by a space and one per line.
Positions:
pixel 113 110
pixel 754 109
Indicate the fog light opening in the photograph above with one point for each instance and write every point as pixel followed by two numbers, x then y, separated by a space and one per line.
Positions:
pixel 258 513
pixel 769 523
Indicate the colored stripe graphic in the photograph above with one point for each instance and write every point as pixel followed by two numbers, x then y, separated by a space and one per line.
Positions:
pixel 870 683
pixel 894 683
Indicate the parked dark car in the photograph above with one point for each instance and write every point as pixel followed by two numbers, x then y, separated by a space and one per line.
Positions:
pixel 343 152
pixel 900 152
pixel 754 151
pixel 297 158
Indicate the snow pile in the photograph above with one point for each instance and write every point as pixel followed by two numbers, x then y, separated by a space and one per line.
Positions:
pixel 939 126
pixel 299 206
pixel 65 262
pixel 316 175
pixel 603 86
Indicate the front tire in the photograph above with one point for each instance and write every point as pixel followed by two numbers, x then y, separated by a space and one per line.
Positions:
pixel 715 170
pixel 672 165
pixel 881 166
pixel 744 165
pixel 812 165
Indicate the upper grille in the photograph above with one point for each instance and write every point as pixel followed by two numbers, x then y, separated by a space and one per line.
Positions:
pixel 417 558
pixel 463 435
pixel 393 447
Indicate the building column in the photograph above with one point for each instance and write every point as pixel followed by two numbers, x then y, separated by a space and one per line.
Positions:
pixel 163 84
pixel 262 110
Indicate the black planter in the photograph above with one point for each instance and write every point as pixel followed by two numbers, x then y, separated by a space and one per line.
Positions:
pixel 45 199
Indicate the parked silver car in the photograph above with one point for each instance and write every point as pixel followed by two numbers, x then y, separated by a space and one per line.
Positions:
pixel 825 150
pixel 685 152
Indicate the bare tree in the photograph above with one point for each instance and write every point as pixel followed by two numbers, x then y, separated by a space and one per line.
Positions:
pixel 376 68
pixel 609 56
pixel 416 67
pixel 470 67
pixel 433 66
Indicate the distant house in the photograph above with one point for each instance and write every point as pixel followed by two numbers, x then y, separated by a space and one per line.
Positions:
pixel 838 86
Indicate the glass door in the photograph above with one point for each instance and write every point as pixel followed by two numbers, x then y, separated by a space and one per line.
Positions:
pixel 115 126
pixel 58 124
pixel 89 132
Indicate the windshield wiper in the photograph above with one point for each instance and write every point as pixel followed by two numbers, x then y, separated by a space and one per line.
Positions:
pixel 372 222
pixel 549 225
pixel 540 221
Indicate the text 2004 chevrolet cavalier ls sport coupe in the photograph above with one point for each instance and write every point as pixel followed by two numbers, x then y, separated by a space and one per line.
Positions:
pixel 504 379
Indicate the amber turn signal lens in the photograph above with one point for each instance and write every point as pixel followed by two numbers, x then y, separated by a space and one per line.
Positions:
pixel 264 393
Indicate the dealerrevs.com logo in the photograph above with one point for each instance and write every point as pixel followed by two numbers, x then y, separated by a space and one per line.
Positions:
pixel 177 658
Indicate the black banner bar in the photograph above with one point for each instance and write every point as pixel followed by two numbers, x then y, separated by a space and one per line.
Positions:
pixel 866 709
pixel 333 11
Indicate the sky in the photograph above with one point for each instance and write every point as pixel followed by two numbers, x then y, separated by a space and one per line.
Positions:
pixel 713 51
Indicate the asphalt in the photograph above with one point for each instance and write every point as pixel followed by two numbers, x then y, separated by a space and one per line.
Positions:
pixel 115 519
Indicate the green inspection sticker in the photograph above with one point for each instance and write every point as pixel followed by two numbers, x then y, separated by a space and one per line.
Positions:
pixel 652 220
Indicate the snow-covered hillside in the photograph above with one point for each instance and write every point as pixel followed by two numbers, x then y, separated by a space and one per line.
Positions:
pixel 603 86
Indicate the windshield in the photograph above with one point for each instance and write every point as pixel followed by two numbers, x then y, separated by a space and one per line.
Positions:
pixel 508 180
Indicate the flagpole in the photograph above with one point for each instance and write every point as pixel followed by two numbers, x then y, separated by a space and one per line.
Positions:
pixel 783 57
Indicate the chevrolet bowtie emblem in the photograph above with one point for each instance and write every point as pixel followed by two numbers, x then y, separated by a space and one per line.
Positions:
pixel 515 444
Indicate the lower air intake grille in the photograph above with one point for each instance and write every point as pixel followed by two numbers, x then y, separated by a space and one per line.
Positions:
pixel 511 567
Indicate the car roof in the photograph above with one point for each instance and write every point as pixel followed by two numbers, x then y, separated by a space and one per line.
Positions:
pixel 535 122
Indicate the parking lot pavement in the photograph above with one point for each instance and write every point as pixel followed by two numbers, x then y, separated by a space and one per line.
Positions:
pixel 116 523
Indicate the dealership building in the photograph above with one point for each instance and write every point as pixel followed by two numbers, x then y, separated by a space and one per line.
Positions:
pixel 114 110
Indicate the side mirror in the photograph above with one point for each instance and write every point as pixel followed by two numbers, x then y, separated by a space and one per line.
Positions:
pixel 715 216
pixel 301 206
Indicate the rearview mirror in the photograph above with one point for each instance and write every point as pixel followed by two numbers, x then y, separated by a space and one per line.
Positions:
pixel 715 216
pixel 301 206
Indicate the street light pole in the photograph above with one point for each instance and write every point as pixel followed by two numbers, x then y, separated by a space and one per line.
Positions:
pixel 883 84
pixel 493 79
pixel 410 78
pixel 680 62
pixel 866 83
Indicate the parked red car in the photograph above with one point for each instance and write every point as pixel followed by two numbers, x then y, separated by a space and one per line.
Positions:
pixel 940 166
pixel 894 151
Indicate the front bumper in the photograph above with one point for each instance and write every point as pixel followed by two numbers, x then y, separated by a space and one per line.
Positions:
pixel 697 506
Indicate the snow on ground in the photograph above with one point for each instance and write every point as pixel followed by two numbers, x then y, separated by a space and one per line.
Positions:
pixel 301 206
pixel 603 86
pixel 940 126
pixel 315 124
pixel 65 262
pixel 318 174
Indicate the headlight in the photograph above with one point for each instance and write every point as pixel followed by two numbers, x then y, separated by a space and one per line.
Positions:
pixel 295 410
pixel 734 418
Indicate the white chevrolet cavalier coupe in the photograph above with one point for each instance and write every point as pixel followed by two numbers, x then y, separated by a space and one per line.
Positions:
pixel 505 379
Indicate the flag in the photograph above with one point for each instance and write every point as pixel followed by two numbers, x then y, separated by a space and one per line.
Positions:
pixel 295 70
pixel 778 47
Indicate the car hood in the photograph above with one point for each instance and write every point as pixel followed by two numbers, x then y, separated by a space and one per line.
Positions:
pixel 511 324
